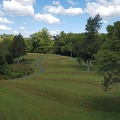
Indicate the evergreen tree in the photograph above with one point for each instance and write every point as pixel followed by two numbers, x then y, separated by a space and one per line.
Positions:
pixel 90 44
pixel 18 47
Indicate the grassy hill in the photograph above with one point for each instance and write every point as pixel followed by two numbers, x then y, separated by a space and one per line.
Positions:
pixel 61 91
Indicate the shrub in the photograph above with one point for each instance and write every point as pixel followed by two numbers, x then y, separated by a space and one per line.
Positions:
pixel 18 70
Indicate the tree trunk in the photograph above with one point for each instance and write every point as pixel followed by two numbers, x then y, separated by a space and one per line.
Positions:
pixel 18 61
pixel 88 65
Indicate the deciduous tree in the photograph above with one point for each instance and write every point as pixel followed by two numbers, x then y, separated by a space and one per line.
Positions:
pixel 108 58
pixel 41 42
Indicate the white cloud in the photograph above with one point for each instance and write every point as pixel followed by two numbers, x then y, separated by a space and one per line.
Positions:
pixel 3 27
pixel 105 8
pixel 74 11
pixel 25 23
pixel 26 2
pixel 48 18
pixel 116 2
pixel 26 32
pixel 56 2
pixel 5 20
pixel 15 32
pixel 22 28
pixel 54 32
pixel 1 13
pixel 60 10
pixel 72 3
pixel 105 21
pixel 19 7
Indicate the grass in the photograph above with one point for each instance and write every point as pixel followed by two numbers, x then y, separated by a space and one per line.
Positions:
pixel 64 91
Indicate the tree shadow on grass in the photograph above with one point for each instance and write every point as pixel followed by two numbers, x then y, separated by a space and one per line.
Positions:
pixel 110 104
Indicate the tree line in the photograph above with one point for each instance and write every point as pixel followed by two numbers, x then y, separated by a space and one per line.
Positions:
pixel 11 47
pixel 100 49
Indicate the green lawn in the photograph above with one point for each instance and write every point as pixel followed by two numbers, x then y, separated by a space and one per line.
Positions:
pixel 64 91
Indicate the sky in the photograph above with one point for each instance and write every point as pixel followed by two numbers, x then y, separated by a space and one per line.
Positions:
pixel 30 16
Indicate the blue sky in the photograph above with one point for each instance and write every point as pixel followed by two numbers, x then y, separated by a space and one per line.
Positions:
pixel 30 16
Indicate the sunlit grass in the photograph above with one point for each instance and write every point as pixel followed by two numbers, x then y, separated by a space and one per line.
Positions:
pixel 64 91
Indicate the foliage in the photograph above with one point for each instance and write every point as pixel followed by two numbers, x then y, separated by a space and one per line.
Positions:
pixel 11 47
pixel 108 58
pixel 41 42
pixel 90 44
pixel 79 60
pixel 59 43
pixel 114 30
pixel 28 43
pixel 13 70
pixel 18 46
pixel 3 62
pixel 5 53
pixel 108 64
pixel 64 43
pixel 93 25
pixel 7 42
pixel 22 69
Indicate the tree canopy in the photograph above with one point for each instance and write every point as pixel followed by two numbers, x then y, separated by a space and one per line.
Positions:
pixel 18 46
pixel 89 45
pixel 108 58
pixel 41 42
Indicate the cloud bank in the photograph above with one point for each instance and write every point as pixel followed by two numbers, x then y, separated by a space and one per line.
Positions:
pixel 105 8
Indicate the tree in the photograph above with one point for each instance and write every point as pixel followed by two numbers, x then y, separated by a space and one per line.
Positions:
pixel 69 42
pixel 59 43
pixel 41 42
pixel 7 42
pixel 64 43
pixel 56 48
pixel 114 30
pixel 89 45
pixel 108 58
pixel 3 62
pixel 18 47
pixel 28 43
pixel 108 65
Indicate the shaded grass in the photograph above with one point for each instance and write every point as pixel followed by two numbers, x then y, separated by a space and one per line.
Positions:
pixel 64 91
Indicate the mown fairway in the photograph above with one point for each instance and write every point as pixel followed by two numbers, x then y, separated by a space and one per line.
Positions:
pixel 63 91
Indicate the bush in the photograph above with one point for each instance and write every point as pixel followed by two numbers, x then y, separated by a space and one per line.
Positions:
pixel 18 70
pixel 79 60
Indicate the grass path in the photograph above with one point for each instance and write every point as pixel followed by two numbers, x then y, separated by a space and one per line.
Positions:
pixel 64 91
